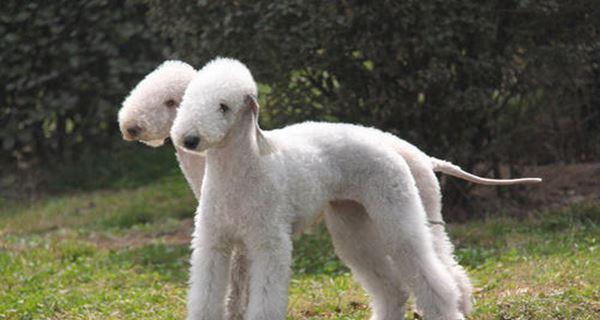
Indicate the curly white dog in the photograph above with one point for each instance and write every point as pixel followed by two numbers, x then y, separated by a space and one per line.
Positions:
pixel 147 115
pixel 260 187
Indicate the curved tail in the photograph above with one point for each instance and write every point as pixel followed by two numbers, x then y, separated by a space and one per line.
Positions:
pixel 454 170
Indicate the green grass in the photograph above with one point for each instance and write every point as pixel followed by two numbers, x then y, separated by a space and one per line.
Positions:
pixel 122 253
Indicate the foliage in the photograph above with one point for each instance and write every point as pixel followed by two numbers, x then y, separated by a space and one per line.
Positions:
pixel 66 66
pixel 463 80
pixel 77 256
pixel 485 84
pixel 460 77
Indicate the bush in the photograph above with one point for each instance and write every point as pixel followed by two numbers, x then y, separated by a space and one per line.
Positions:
pixel 66 67
pixel 484 84
pixel 464 79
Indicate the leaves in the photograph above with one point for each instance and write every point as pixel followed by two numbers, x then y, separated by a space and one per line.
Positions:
pixel 460 79
pixel 63 62
pixel 463 80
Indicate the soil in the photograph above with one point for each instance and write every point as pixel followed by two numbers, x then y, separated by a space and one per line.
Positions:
pixel 562 185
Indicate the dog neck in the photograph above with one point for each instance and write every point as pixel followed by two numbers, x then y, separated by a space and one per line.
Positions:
pixel 239 152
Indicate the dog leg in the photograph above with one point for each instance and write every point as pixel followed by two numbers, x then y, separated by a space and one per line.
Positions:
pixel 431 197
pixel 357 244
pixel 394 206
pixel 208 282
pixel 270 256
pixel 237 298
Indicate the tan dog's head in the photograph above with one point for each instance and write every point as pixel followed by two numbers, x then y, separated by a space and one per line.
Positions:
pixel 148 112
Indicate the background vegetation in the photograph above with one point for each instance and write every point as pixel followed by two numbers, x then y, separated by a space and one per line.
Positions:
pixel 66 67
pixel 463 80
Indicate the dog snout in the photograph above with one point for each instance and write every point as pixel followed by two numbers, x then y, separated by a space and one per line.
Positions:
pixel 191 142
pixel 133 132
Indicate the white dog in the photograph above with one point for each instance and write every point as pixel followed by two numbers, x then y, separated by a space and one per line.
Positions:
pixel 147 115
pixel 261 187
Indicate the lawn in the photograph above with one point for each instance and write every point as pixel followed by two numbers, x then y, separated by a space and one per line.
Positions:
pixel 122 253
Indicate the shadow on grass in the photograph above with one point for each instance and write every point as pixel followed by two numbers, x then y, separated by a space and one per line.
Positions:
pixel 551 232
pixel 314 254
pixel 169 261
pixel 546 233
pixel 141 215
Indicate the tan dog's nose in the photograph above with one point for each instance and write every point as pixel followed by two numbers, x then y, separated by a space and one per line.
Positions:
pixel 132 132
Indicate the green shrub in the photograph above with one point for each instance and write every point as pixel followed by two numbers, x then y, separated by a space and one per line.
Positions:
pixel 484 84
pixel 66 66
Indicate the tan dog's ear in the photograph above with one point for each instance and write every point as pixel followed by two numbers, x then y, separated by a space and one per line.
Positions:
pixel 265 145
pixel 252 103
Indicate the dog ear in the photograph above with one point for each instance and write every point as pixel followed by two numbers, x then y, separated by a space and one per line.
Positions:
pixel 265 145
pixel 252 103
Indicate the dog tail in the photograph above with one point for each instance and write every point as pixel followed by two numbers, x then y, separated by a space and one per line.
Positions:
pixel 453 170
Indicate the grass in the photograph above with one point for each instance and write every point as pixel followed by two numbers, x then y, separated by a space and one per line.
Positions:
pixel 122 253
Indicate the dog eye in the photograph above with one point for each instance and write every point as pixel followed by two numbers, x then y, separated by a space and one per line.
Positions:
pixel 223 108
pixel 170 103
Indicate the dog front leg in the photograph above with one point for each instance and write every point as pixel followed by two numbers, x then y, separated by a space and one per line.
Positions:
pixel 208 283
pixel 270 272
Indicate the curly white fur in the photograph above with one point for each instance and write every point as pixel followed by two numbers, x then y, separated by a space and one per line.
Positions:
pixel 256 197
pixel 152 105
pixel 146 107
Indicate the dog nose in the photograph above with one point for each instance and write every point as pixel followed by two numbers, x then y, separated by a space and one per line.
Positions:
pixel 191 142
pixel 134 131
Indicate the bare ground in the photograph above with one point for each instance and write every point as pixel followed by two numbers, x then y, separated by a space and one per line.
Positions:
pixel 562 185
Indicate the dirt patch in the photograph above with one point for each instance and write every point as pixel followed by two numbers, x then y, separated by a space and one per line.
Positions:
pixel 567 184
pixel 562 185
